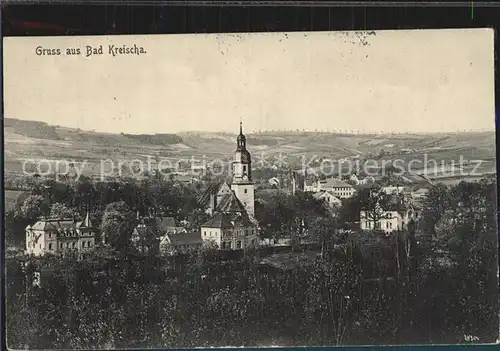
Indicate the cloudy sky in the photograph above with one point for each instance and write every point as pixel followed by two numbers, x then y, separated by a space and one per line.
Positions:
pixel 393 81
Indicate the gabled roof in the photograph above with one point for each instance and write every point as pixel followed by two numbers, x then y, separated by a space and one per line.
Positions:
pixel 230 203
pixel 228 221
pixel 219 220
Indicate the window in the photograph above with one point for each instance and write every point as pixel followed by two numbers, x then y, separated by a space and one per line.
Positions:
pixel 244 168
pixel 246 190
pixel 50 246
pixel 205 233
pixel 39 246
pixel 238 244
pixel 60 245
pixel 50 235
pixel 83 243
pixel 74 244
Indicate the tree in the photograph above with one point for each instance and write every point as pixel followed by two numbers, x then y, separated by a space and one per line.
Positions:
pixel 323 229
pixel 435 205
pixel 374 205
pixel 59 210
pixel 33 207
pixel 117 225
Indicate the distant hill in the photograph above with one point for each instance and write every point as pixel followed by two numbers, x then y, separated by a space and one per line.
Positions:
pixel 40 140
pixel 42 130
pixel 31 129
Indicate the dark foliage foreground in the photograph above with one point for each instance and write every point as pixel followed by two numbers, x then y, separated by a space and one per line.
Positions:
pixel 354 295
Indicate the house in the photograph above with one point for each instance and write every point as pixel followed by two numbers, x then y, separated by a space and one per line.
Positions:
pixel 230 231
pixel 329 199
pixel 337 187
pixel 178 243
pixel 232 208
pixel 60 235
pixel 393 216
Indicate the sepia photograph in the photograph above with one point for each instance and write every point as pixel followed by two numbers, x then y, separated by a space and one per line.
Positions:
pixel 250 190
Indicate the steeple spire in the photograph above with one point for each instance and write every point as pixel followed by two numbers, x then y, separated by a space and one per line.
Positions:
pixel 241 140
pixel 86 221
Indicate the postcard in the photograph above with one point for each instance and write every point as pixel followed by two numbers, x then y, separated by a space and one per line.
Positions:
pixel 250 189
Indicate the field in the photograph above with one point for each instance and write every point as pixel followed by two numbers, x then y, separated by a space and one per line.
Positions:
pixel 91 153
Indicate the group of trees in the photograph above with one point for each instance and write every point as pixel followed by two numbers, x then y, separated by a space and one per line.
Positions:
pixel 151 196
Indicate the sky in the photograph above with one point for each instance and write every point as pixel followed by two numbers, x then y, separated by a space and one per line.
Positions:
pixel 386 81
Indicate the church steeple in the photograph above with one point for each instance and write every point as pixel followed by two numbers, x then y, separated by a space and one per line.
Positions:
pixel 242 184
pixel 241 140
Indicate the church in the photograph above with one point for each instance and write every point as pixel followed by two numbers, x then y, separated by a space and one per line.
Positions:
pixel 232 225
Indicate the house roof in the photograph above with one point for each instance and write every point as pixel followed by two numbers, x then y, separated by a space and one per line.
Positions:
pixel 334 183
pixel 228 220
pixel 193 238
pixel 219 220
pixel 54 224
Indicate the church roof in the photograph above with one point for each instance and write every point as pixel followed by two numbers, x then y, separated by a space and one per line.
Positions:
pixel 230 203
pixel 212 189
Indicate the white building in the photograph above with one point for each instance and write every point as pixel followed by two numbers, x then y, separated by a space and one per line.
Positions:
pixel 58 236
pixel 337 187
pixel 389 219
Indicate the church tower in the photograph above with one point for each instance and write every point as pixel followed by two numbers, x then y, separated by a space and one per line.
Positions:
pixel 242 184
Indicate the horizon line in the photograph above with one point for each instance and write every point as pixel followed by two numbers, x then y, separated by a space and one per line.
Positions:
pixel 256 132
